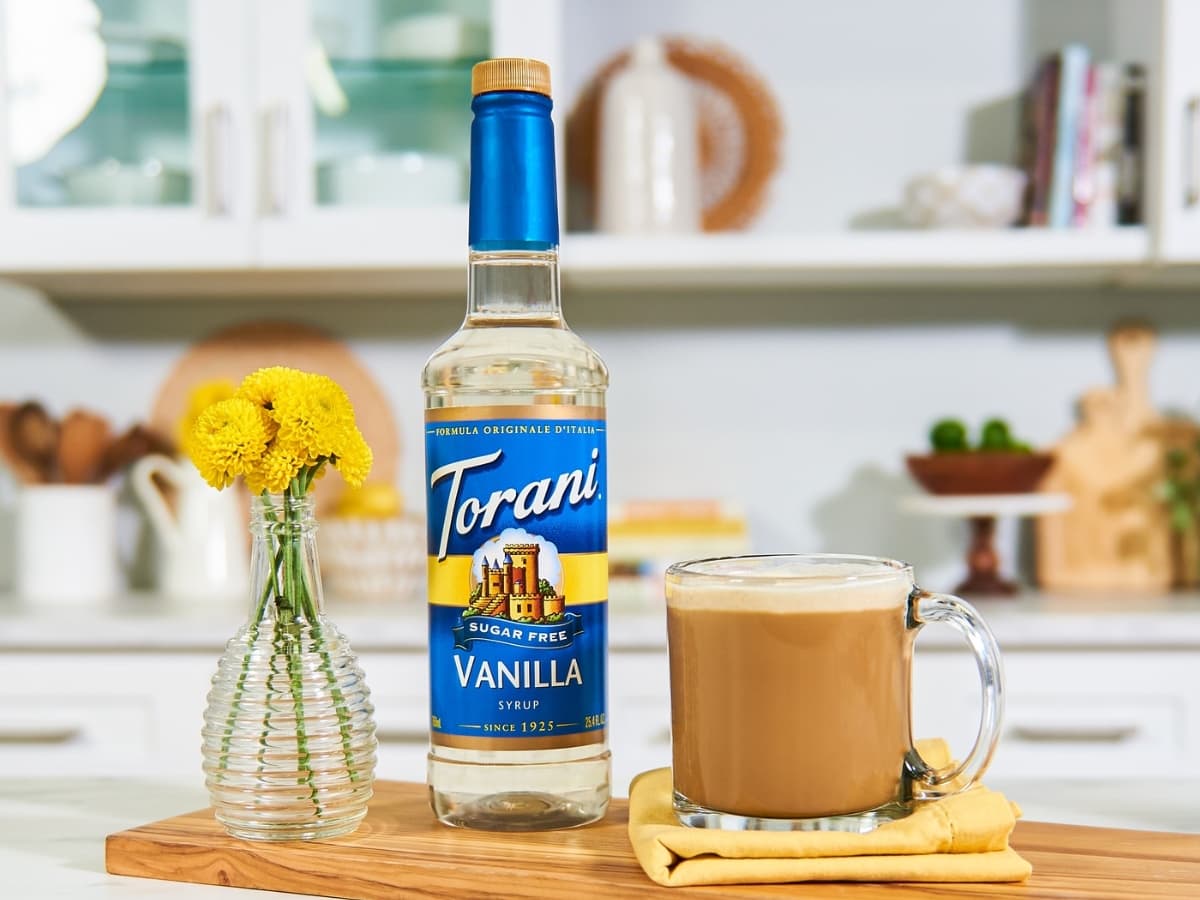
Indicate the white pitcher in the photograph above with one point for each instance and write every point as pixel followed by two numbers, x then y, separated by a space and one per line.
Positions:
pixel 66 545
pixel 203 543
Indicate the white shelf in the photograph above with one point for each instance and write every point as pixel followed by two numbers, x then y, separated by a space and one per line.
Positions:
pixel 856 258
pixel 594 262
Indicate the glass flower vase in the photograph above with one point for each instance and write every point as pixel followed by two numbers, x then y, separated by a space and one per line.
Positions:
pixel 289 732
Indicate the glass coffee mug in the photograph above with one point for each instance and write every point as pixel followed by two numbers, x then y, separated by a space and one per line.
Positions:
pixel 790 692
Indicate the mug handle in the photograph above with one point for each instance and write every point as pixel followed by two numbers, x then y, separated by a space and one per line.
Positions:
pixel 930 782
pixel 141 477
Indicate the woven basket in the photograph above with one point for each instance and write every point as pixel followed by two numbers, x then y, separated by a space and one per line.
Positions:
pixel 374 560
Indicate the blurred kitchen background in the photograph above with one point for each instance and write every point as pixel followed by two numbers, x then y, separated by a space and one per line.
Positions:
pixel 873 216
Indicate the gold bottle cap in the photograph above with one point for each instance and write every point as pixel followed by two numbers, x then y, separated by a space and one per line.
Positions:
pixel 510 74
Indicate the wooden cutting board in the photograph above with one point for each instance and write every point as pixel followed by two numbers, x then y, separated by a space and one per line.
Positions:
pixel 400 851
pixel 1116 536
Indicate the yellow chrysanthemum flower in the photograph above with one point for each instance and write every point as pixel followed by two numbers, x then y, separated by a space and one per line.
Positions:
pixel 275 471
pixel 352 457
pixel 315 417
pixel 229 438
pixel 264 387
pixel 200 398
pixel 281 424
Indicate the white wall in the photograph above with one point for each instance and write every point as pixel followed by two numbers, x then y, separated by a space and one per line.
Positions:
pixel 871 93
pixel 801 406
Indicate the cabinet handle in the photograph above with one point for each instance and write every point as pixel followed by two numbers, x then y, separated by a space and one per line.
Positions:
pixel 401 736
pixel 45 735
pixel 276 127
pixel 1064 734
pixel 218 160
pixel 1191 153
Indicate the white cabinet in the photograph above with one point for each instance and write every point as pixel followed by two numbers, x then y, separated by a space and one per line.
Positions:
pixel 108 712
pixel 280 113
pixel 126 146
pixel 1071 713
pixel 639 704
pixel 1177 125
pixel 364 152
pixel 399 685
pixel 103 713
pixel 230 135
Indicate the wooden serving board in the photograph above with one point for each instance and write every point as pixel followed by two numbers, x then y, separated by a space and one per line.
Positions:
pixel 400 851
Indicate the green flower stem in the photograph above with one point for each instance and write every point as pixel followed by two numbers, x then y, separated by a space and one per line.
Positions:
pixel 339 702
pixel 288 592
pixel 290 634
pixel 292 645
pixel 301 485
pixel 271 588
pixel 240 688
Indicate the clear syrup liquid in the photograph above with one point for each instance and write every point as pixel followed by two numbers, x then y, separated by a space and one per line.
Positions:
pixel 517 351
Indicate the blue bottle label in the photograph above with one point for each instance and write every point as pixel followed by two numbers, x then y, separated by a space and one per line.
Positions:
pixel 518 576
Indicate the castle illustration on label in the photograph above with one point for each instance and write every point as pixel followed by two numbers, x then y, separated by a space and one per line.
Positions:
pixel 514 589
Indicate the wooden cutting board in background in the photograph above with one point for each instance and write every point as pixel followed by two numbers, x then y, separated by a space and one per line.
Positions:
pixel 400 851
pixel 1116 536
pixel 235 352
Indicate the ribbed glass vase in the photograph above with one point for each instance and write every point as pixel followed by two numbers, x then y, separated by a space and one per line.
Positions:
pixel 289 732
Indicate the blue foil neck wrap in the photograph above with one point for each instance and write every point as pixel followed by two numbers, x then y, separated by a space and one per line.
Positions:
pixel 514 201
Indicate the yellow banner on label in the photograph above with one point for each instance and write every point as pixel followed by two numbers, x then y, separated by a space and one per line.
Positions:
pixel 585 579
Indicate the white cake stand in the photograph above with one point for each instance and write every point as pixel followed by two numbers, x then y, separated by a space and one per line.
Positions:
pixel 982 510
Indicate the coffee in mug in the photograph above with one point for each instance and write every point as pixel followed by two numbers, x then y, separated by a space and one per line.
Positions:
pixel 790 691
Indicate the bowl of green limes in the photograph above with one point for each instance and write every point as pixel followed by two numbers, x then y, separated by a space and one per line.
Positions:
pixel 994 463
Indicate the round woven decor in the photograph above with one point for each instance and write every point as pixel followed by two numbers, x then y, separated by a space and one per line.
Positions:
pixel 740 133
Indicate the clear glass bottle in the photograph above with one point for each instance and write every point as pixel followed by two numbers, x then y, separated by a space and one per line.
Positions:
pixel 515 361
pixel 289 735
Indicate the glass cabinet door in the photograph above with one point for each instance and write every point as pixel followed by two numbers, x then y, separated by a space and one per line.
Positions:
pixel 390 82
pixel 98 111
pixel 366 118
pixel 124 108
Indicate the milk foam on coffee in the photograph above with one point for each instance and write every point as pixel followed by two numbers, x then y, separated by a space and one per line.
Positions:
pixel 790 586
pixel 789 687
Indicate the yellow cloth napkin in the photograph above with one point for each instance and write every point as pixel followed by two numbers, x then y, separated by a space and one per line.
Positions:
pixel 960 838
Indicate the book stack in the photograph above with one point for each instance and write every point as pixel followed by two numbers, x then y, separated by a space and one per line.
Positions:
pixel 1082 142
pixel 645 536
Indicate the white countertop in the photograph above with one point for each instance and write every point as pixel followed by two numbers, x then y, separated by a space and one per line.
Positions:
pixel 52 837
pixel 52 830
pixel 147 623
